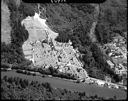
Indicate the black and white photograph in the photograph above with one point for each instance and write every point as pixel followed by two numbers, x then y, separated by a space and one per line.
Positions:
pixel 63 50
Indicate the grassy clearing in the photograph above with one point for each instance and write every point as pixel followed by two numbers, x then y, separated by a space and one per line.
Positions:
pixel 5 27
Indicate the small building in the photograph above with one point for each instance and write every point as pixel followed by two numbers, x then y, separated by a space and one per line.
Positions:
pixel 121 65
pixel 110 54
pixel 101 83
pixel 109 85
pixel 125 88
pixel 115 40
pixel 9 69
pixel 121 82
pixel 116 86
pixel 123 72
pixel 107 79
pixel 110 64
pixel 117 71
pixel 60 70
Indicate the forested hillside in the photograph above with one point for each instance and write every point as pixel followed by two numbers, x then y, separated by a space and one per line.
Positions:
pixel 112 20
pixel 71 21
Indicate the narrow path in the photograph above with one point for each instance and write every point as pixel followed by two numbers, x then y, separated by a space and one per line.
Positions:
pixel 92 30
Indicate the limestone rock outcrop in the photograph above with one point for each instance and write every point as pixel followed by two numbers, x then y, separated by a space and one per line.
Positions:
pixel 42 49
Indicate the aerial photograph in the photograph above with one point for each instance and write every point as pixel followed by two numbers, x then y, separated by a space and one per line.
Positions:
pixel 63 51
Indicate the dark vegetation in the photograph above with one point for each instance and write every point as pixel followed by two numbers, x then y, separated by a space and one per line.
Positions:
pixel 28 69
pixel 112 20
pixel 71 21
pixel 12 53
pixel 15 88
pixel 49 71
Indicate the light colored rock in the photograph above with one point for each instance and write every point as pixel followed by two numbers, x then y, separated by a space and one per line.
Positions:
pixel 62 57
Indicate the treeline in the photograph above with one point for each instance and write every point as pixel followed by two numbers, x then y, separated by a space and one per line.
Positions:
pixel 54 72
pixel 15 88
pixel 27 67
pixel 50 71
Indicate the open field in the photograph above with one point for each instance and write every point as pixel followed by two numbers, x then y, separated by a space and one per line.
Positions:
pixel 60 83
pixel 5 27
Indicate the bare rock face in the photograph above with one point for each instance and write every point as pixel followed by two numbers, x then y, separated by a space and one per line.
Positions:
pixel 5 26
pixel 61 56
